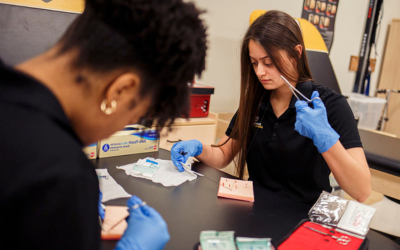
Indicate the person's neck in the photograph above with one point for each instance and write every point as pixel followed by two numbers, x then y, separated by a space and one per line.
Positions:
pixel 282 94
pixel 54 72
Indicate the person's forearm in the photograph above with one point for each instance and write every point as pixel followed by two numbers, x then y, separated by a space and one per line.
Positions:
pixel 350 170
pixel 214 157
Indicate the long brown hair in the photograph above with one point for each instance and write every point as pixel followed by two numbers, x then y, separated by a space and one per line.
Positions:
pixel 274 31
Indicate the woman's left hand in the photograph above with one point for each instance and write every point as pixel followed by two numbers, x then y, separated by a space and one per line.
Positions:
pixel 313 123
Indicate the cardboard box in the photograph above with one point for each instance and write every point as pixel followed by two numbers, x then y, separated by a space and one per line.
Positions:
pixel 91 151
pixel 134 139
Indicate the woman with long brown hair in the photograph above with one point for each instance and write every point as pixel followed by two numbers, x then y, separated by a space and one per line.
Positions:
pixel 290 141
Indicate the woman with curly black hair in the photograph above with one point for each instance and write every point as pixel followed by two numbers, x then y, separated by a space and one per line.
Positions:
pixel 120 62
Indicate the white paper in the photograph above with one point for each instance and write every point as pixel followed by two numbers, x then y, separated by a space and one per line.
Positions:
pixel 109 187
pixel 356 218
pixel 167 175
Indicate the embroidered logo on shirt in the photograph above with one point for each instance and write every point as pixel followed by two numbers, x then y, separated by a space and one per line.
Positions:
pixel 257 124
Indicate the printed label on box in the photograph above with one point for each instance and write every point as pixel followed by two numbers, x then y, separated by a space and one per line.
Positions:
pixel 127 142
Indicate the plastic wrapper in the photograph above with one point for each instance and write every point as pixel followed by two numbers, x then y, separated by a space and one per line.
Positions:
pixel 214 240
pixel 351 216
pixel 328 209
pixel 244 243
pixel 357 218
pixel 145 170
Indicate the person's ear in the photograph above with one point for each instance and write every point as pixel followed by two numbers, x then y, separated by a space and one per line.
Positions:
pixel 299 49
pixel 122 91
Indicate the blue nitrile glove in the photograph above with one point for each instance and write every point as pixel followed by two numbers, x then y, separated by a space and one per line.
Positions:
pixel 146 229
pixel 101 209
pixel 313 123
pixel 181 151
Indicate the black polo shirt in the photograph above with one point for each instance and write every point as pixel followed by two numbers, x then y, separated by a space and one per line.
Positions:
pixel 48 188
pixel 282 160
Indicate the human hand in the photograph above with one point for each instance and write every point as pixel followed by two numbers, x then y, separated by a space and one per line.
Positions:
pixel 313 123
pixel 181 151
pixel 101 209
pixel 146 229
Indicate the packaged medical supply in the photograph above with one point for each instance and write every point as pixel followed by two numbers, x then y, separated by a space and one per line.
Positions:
pixel 133 139
pixel 350 216
pixel 244 243
pixel 145 167
pixel 328 209
pixel 214 240
pixel 91 151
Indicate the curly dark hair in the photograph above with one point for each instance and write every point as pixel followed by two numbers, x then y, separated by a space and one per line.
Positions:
pixel 164 41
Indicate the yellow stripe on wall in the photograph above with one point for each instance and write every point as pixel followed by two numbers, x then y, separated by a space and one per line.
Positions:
pixel 75 6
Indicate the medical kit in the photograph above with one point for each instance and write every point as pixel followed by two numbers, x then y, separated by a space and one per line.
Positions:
pixel 334 223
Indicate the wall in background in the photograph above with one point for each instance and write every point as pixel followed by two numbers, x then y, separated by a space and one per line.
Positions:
pixel 228 20
pixel 26 32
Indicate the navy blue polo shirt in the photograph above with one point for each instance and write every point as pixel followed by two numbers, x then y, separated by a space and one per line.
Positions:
pixel 282 160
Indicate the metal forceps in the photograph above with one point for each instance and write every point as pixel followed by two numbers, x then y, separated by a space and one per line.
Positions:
pixel 293 89
pixel 342 240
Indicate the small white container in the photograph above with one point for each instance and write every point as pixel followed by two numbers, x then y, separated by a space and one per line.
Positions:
pixel 367 109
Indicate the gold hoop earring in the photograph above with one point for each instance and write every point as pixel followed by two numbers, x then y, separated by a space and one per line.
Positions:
pixel 110 110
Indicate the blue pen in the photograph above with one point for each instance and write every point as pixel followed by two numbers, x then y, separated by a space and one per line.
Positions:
pixel 154 162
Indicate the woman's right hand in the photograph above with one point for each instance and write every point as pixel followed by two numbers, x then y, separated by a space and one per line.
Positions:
pixel 181 151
